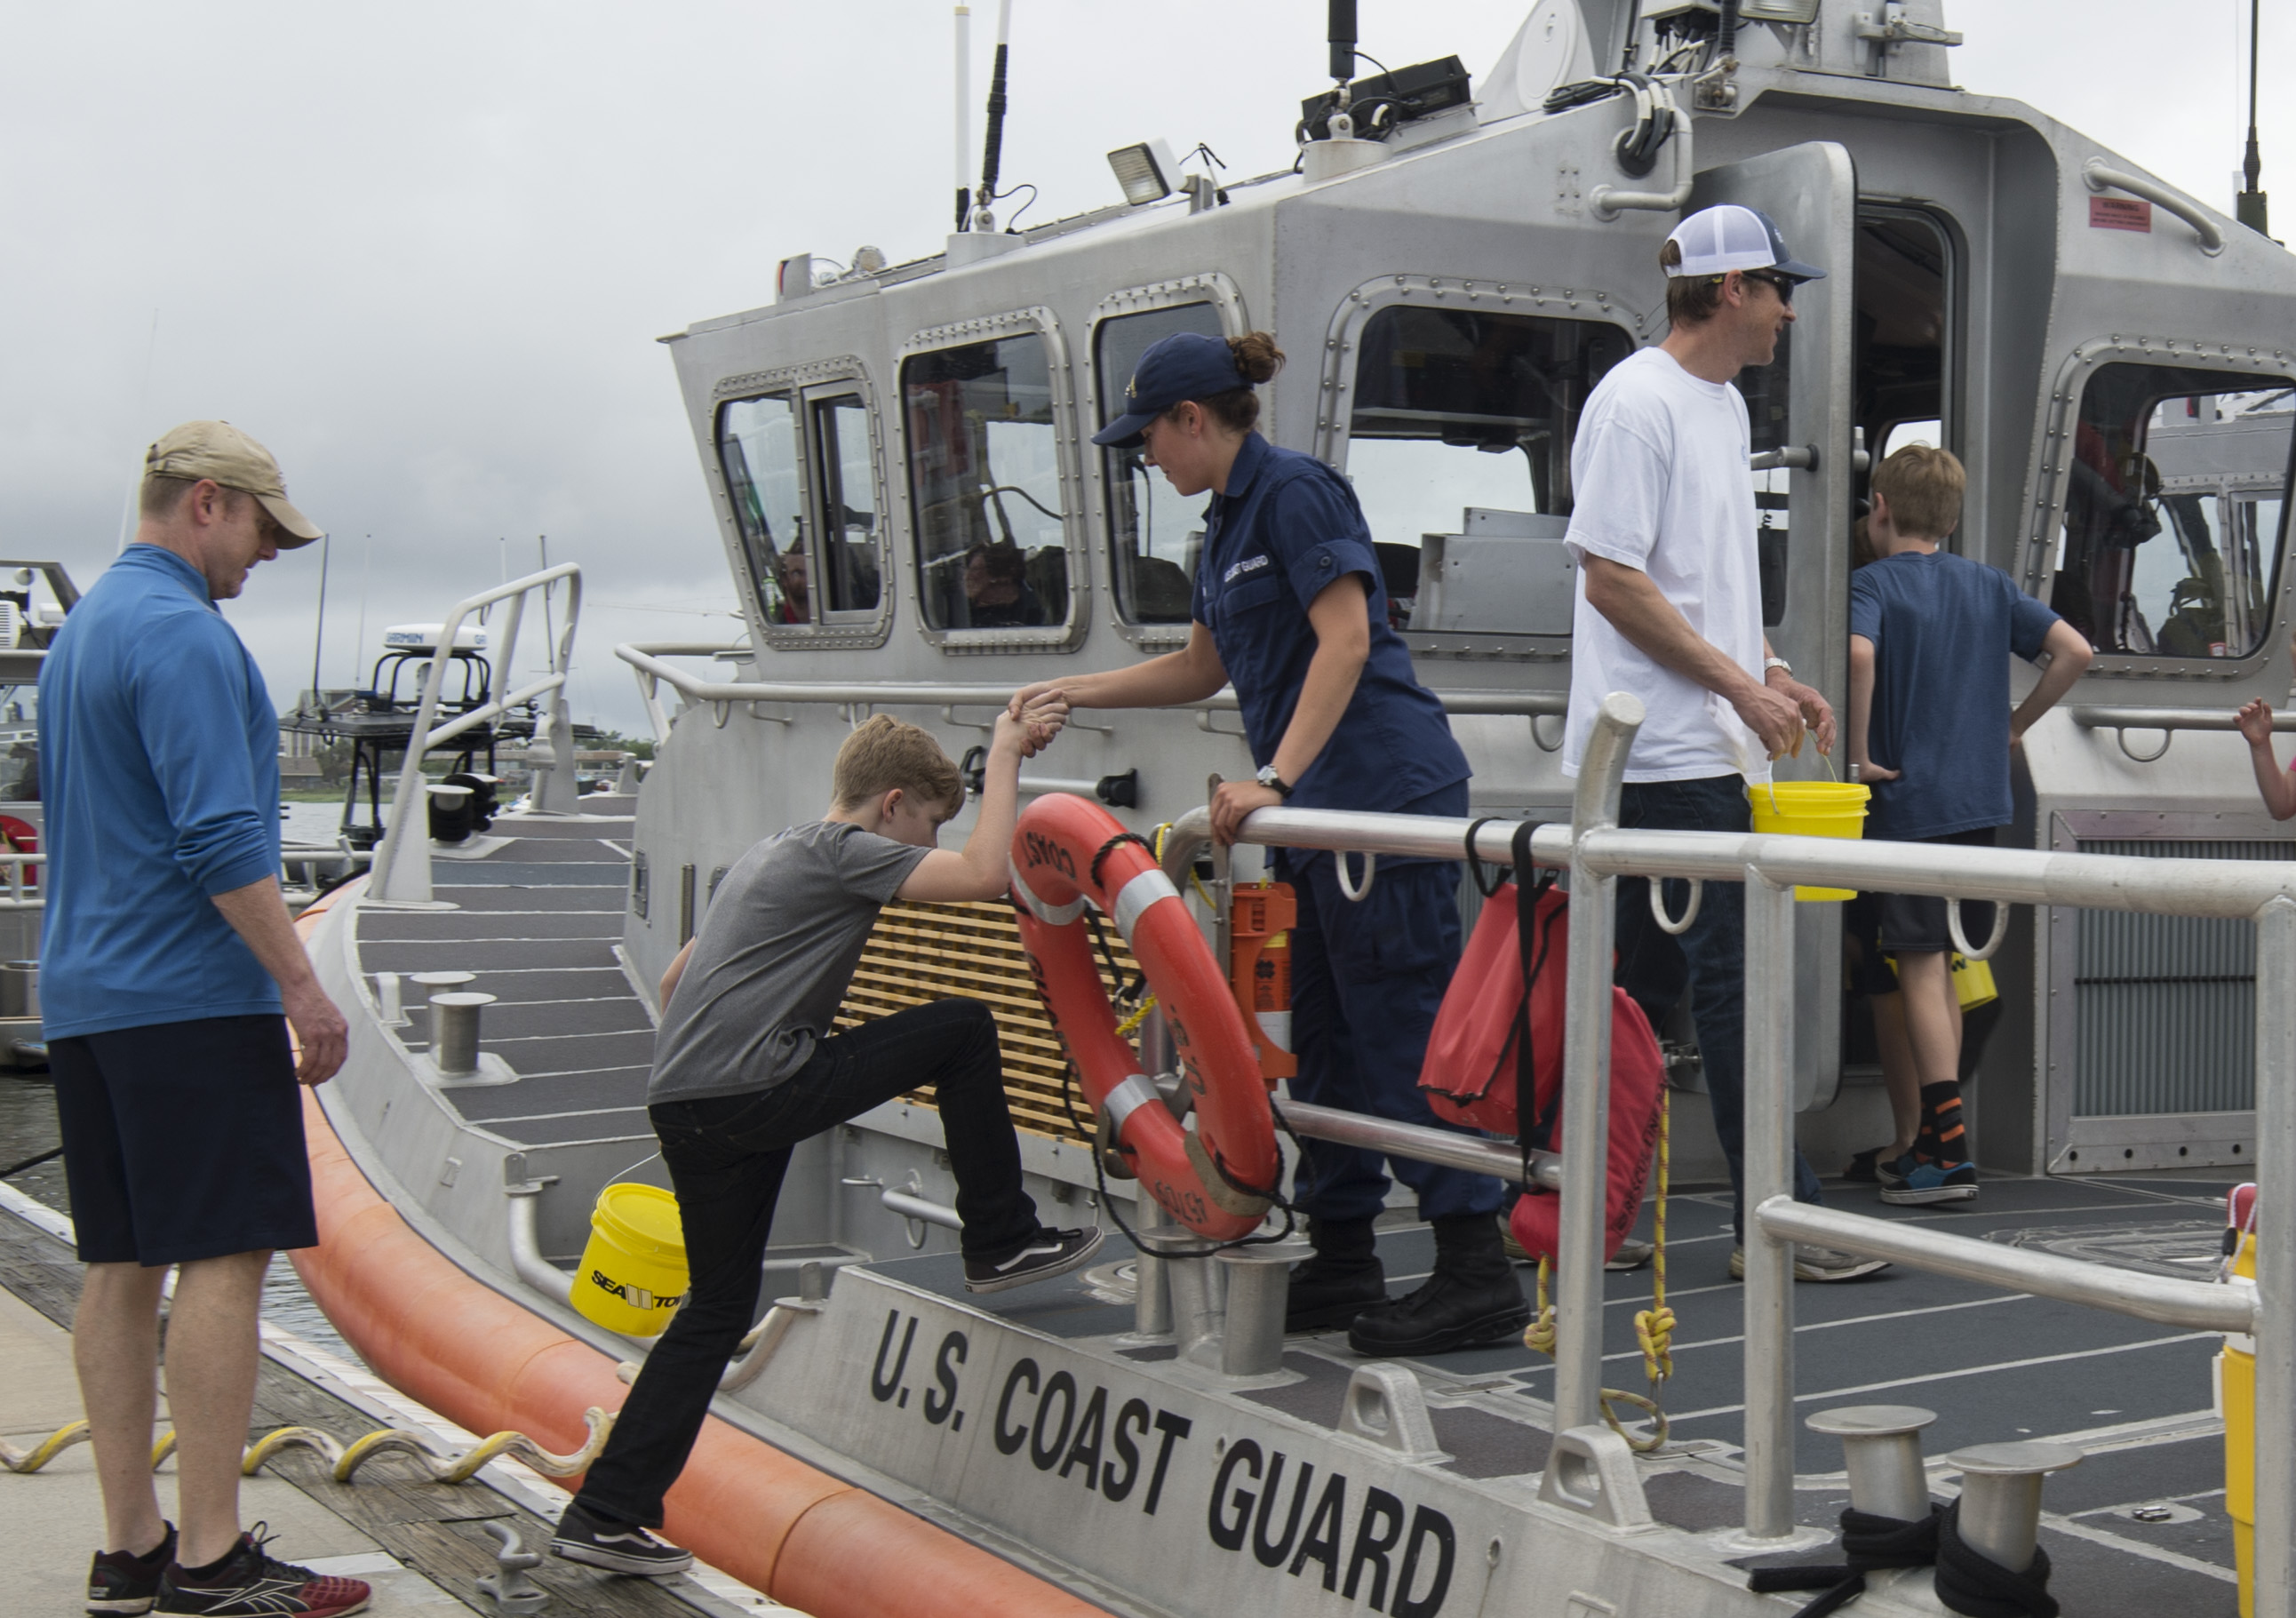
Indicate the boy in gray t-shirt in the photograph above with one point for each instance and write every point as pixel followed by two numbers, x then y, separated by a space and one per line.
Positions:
pixel 747 1065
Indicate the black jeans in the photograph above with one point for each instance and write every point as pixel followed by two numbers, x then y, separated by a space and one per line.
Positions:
pixel 726 1156
pixel 1709 959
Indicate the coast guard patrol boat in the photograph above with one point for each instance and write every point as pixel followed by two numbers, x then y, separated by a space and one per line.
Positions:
pixel 1452 265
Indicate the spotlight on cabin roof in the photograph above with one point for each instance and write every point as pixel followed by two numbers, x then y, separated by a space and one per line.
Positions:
pixel 1146 171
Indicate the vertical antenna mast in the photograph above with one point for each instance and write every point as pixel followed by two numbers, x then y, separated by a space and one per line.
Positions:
pixel 319 633
pixel 964 113
pixel 2249 207
pixel 1341 35
pixel 993 147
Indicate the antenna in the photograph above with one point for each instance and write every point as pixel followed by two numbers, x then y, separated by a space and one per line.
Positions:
pixel 993 148
pixel 964 112
pixel 2249 207
pixel 1341 35
pixel 319 634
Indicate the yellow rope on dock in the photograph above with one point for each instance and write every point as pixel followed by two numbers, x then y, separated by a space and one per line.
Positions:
pixel 344 1459
pixel 1653 1327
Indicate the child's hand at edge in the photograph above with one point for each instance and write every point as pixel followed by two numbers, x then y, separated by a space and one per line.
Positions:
pixel 2255 722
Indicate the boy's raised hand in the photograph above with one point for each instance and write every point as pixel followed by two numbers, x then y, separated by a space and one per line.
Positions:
pixel 2255 722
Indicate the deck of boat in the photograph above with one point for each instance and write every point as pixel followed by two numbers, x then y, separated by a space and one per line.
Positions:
pixel 538 920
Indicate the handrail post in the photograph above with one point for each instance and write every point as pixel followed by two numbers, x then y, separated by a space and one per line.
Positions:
pixel 1587 1073
pixel 560 791
pixel 1767 1109
pixel 2275 1277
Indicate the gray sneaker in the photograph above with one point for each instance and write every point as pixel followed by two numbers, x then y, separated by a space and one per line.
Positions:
pixel 1816 1263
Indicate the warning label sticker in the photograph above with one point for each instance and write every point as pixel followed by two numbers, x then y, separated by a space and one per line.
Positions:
pixel 2120 213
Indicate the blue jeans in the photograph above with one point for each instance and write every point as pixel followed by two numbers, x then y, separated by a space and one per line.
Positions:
pixel 1367 978
pixel 1708 960
pixel 726 1155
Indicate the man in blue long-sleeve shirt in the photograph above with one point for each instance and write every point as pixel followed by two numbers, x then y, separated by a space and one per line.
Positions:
pixel 168 962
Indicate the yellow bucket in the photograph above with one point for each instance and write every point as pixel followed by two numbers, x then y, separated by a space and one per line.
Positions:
pixel 633 1273
pixel 1812 808
pixel 2236 1402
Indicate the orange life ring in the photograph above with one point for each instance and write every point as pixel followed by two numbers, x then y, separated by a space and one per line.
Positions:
pixel 21 837
pixel 1220 1177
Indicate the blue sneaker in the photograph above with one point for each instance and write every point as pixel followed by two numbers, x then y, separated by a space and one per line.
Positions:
pixel 1933 1183
pixel 1893 1171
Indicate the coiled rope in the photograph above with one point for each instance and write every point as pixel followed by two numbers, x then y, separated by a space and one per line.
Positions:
pixel 1653 1327
pixel 344 1459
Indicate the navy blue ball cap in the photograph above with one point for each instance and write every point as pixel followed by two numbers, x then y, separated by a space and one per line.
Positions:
pixel 1184 365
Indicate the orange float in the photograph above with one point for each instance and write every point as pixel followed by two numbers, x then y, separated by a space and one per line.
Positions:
pixel 808 1539
pixel 1219 1178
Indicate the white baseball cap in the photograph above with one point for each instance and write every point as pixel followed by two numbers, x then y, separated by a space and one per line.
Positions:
pixel 1715 241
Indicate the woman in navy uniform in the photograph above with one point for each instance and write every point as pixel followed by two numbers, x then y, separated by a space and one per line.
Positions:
pixel 1290 608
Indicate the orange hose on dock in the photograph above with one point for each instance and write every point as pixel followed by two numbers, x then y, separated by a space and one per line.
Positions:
pixel 484 1361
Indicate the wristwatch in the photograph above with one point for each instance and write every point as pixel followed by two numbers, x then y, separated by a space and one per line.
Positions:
pixel 1770 664
pixel 1268 778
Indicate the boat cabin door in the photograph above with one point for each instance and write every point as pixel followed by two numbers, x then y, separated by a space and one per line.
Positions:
pixel 1802 410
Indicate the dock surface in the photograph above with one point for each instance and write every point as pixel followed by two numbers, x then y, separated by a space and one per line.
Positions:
pixel 421 1545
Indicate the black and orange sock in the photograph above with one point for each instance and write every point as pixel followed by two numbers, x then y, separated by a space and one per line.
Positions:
pixel 1943 1138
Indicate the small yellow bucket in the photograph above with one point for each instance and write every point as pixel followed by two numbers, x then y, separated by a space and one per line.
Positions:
pixel 1812 808
pixel 633 1273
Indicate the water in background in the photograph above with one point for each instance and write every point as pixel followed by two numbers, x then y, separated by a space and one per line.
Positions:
pixel 311 822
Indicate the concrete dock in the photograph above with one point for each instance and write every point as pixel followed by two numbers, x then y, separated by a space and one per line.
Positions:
pixel 421 1545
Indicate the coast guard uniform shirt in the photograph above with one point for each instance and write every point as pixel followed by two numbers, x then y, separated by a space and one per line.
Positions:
pixel 1287 529
pixel 159 775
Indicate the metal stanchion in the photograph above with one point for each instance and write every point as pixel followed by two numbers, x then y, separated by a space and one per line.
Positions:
pixel 2276 1273
pixel 1587 1074
pixel 1768 1110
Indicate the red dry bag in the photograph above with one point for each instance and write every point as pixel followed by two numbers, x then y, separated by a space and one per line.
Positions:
pixel 1499 1038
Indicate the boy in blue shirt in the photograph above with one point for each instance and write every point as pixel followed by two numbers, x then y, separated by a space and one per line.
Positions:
pixel 1930 730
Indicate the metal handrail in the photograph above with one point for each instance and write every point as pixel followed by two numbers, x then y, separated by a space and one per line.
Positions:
pixel 2123 719
pixel 22 895
pixel 2100 177
pixel 401 871
pixel 1770 866
pixel 653 673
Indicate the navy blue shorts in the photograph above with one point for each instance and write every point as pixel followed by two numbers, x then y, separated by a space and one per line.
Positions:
pixel 183 1140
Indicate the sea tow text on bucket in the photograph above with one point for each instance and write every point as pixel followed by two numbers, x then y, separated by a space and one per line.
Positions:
pixel 1365 1543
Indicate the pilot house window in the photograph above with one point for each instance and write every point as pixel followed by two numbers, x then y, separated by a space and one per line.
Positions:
pixel 984 478
pixel 2175 512
pixel 757 446
pixel 1459 448
pixel 1153 534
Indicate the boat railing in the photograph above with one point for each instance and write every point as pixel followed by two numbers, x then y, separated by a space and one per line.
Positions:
pixel 22 891
pixel 2123 719
pixel 401 872
pixel 723 696
pixel 1597 852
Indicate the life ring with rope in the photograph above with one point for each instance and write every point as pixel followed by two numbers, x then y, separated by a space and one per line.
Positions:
pixel 1219 1178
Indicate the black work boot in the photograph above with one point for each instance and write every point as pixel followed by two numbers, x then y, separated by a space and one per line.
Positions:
pixel 1471 1300
pixel 1343 1279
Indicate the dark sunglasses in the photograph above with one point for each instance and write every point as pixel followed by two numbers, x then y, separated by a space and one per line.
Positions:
pixel 1783 284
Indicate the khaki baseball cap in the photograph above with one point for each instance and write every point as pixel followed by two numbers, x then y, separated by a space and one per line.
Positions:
pixel 223 454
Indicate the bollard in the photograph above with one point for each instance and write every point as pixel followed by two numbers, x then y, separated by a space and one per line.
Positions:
pixel 1151 1298
pixel 1883 1446
pixel 2001 1497
pixel 20 988
pixel 1199 1298
pixel 440 980
pixel 455 1032
pixel 1259 1282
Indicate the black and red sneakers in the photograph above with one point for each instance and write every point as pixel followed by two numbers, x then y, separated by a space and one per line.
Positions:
pixel 121 1581
pixel 248 1584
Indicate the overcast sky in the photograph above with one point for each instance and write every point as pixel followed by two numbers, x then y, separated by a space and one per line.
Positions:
pixel 422 250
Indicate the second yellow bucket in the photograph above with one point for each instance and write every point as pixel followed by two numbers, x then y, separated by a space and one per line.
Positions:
pixel 1812 808
pixel 633 1273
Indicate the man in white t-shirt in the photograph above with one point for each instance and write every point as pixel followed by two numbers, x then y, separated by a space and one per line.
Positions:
pixel 1669 607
